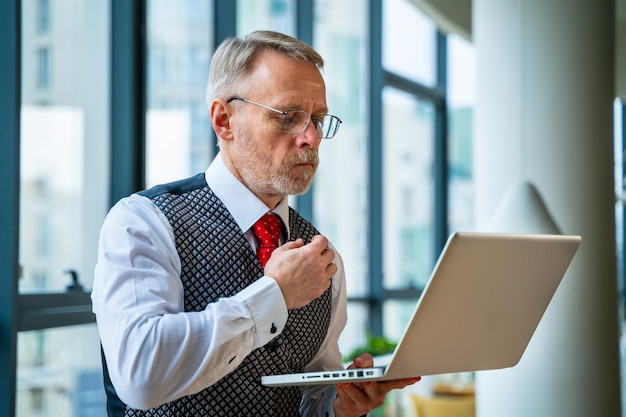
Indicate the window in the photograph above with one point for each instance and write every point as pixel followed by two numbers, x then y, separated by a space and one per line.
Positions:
pixel 275 15
pixel 409 42
pixel 461 100
pixel 400 189
pixel 63 182
pixel 43 236
pixel 43 68
pixel 64 198
pixel 57 377
pixel 403 157
pixel 340 208
pixel 408 158
pixel 179 139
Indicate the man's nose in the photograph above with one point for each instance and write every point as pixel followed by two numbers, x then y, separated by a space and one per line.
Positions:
pixel 310 136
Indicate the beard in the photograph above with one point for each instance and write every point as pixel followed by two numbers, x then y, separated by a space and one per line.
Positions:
pixel 261 177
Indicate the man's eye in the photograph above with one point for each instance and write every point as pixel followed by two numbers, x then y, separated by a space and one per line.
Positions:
pixel 289 118
pixel 318 121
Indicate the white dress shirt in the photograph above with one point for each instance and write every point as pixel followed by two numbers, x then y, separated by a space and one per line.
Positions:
pixel 156 352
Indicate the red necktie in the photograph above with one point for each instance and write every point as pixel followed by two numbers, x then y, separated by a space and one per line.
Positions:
pixel 266 232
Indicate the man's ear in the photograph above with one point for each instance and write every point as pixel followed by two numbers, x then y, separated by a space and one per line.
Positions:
pixel 220 113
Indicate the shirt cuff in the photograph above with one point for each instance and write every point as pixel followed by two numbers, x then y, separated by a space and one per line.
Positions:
pixel 267 309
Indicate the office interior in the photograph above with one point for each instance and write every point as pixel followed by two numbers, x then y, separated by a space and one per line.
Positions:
pixel 452 109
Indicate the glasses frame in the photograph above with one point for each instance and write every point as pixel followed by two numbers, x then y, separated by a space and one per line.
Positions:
pixel 284 113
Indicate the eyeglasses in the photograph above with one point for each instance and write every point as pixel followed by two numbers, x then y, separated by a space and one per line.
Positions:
pixel 296 121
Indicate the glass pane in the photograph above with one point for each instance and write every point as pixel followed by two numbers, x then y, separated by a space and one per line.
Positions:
pixel 353 337
pixel 179 138
pixel 408 184
pixel 64 140
pixel 59 373
pixel 461 102
pixel 277 15
pixel 340 186
pixel 396 315
pixel 409 42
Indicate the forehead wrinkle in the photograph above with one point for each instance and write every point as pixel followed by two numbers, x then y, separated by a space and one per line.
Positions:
pixel 292 105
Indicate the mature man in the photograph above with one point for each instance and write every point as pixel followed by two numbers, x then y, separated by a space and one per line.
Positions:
pixel 193 301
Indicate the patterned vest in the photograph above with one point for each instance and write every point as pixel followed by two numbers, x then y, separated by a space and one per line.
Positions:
pixel 217 261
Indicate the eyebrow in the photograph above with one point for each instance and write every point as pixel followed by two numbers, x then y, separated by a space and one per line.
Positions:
pixel 292 106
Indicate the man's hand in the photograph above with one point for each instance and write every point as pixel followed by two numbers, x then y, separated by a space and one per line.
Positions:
pixel 355 400
pixel 302 271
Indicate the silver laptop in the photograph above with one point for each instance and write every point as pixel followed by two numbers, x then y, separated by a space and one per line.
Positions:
pixel 481 306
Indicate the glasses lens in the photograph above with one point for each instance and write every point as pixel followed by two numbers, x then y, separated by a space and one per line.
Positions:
pixel 328 126
pixel 295 121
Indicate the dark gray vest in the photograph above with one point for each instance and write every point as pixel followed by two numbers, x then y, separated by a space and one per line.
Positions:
pixel 217 261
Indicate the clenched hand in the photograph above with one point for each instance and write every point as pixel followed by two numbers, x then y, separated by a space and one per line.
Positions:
pixel 302 271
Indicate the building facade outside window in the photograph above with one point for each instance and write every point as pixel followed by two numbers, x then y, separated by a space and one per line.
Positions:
pixel 64 188
pixel 43 16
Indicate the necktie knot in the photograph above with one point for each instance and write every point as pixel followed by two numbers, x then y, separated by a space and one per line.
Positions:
pixel 266 232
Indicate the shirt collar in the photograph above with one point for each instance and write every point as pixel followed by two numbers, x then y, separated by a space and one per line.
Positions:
pixel 245 207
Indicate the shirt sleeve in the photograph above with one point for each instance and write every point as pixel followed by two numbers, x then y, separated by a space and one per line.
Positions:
pixel 318 399
pixel 155 351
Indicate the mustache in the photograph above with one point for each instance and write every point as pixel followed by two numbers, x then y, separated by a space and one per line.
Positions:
pixel 307 156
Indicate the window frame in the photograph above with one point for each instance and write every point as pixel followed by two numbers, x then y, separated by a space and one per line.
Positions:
pixel 380 78
pixel 10 81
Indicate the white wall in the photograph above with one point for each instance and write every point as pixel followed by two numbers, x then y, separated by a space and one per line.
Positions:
pixel 546 84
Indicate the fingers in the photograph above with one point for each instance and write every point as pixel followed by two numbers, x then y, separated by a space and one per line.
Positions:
pixel 302 271
pixel 319 241
pixel 364 360
pixel 363 397
pixel 318 246
pixel 386 386
pixel 298 243
pixel 352 399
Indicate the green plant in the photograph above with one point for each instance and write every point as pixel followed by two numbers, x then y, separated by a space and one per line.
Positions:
pixel 376 345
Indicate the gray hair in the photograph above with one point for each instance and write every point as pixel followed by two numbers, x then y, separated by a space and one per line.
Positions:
pixel 231 61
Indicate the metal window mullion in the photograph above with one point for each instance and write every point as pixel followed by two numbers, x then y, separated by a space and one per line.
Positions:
pixel 304 20
pixel 224 20
pixel 375 169
pixel 10 102
pixel 128 97
pixel 441 149
pixel 304 32
pixel 43 311
pixel 440 175
pixel 434 94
